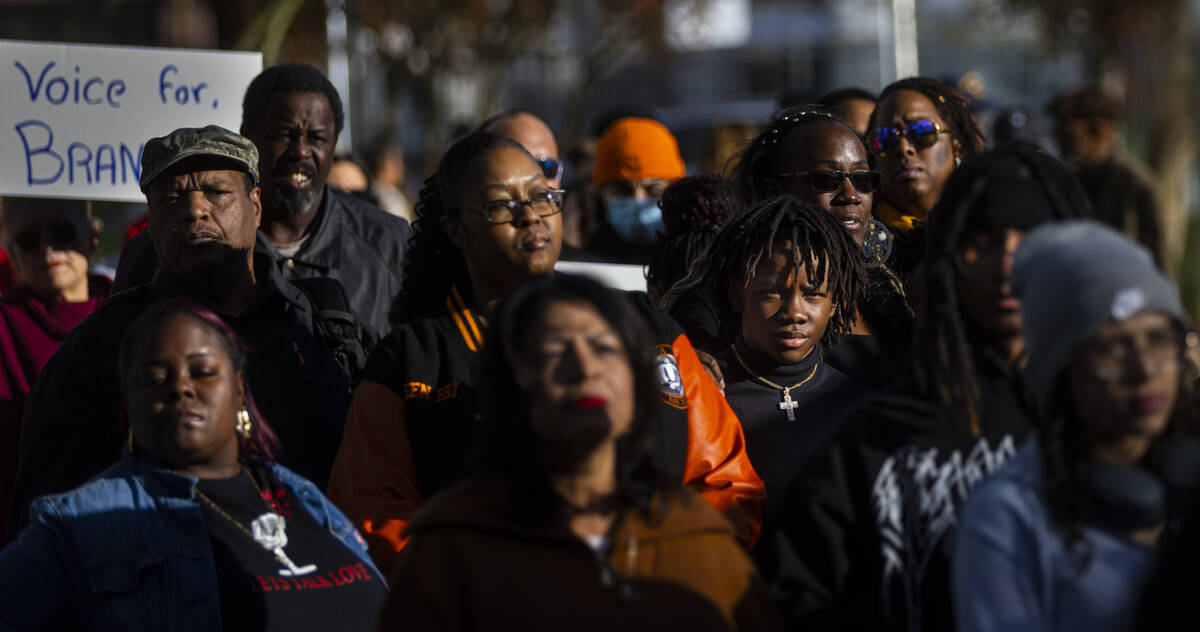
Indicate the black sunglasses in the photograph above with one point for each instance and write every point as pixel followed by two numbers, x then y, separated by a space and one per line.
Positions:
pixel 551 168
pixel 922 133
pixel 62 235
pixel 829 180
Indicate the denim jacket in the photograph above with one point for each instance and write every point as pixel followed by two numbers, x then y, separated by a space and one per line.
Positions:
pixel 129 551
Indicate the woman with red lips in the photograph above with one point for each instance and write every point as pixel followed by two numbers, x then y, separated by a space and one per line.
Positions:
pixel 568 520
pixel 1068 528
pixel 49 241
pixel 920 131
pixel 489 220
pixel 784 278
pixel 196 527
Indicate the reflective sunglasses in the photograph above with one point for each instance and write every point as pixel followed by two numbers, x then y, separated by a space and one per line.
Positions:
pixel 922 133
pixel 829 180
pixel 551 168
pixel 61 236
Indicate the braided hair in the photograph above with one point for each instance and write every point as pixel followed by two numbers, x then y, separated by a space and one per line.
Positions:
pixel 755 166
pixel 433 263
pixel 942 362
pixel 694 209
pixel 745 242
pixel 951 106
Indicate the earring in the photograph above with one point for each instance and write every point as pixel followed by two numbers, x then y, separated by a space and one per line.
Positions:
pixel 957 161
pixel 243 423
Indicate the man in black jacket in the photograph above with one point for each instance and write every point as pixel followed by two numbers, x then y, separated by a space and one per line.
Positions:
pixel 294 116
pixel 201 187
pixel 860 539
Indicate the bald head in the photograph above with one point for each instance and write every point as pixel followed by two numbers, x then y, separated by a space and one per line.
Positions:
pixel 529 131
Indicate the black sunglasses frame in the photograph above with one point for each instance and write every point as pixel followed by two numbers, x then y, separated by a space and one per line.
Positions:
pixel 862 181
pixel 61 235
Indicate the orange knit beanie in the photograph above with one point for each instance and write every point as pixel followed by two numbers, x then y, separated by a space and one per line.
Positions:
pixel 637 149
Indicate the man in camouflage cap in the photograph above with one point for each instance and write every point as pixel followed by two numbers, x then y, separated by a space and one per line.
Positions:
pixel 201 185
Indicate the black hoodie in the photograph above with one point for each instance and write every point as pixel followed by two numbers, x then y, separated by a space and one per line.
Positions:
pixel 859 541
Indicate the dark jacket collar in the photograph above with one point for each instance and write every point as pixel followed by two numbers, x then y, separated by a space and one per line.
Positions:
pixel 164 285
pixel 323 248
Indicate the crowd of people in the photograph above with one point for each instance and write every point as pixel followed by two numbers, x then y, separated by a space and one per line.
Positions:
pixel 884 375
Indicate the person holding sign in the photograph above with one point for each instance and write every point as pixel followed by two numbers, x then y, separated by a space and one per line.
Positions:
pixel 50 241
pixel 294 116
pixel 201 188
pixel 197 527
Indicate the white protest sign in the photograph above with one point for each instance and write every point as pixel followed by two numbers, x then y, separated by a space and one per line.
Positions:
pixel 615 275
pixel 74 118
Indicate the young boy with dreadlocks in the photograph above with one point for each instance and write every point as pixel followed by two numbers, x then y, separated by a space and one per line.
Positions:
pixel 859 540
pixel 784 278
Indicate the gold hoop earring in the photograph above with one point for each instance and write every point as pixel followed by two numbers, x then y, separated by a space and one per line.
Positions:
pixel 243 424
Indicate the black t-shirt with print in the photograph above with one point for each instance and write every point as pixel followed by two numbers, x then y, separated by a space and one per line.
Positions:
pixel 329 588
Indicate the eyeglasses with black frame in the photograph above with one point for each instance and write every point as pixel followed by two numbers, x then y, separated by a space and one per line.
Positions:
pixel 505 211
pixel 922 133
pixel 60 236
pixel 829 180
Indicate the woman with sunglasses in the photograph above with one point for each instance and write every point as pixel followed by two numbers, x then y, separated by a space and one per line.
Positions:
pixel 488 219
pixel 920 131
pixel 1067 530
pixel 49 242
pixel 811 154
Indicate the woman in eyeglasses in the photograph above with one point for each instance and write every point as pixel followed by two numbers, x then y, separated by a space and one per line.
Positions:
pixel 920 131
pixel 1066 531
pixel 49 242
pixel 811 154
pixel 487 220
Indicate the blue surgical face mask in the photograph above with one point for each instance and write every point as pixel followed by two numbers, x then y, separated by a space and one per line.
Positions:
pixel 635 220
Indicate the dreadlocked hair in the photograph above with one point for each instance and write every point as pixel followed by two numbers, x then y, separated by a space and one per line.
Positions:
pixel 746 241
pixel 951 106
pixel 694 209
pixel 754 166
pixel 942 364
pixel 433 263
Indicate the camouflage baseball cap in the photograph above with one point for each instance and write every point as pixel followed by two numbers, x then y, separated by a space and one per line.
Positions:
pixel 188 142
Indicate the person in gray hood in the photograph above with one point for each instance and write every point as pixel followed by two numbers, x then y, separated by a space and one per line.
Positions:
pixel 1066 531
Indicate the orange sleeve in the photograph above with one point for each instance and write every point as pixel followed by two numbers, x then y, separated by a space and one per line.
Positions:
pixel 374 480
pixel 717 464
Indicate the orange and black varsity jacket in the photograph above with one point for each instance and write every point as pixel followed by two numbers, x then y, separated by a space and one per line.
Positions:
pixel 412 421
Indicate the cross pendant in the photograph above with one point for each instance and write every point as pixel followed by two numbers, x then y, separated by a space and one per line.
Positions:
pixel 788 405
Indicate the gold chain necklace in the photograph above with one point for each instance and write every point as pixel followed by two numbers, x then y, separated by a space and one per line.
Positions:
pixel 269 530
pixel 788 404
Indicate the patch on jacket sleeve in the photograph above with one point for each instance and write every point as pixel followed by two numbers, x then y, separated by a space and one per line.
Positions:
pixel 670 380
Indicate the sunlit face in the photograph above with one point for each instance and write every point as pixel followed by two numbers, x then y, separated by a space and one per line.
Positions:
pixel 296 137
pixel 577 374
pixel 914 176
pixel 203 221
pixel 985 282
pixel 857 114
pixel 535 136
pixel 827 146
pixel 783 314
pixel 49 249
pixel 182 395
pixel 348 177
pixel 1124 380
pixel 503 255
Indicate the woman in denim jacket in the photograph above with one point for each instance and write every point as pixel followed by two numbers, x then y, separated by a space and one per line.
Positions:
pixel 196 528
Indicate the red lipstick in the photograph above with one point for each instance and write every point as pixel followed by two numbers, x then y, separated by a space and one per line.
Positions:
pixel 590 402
